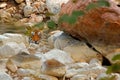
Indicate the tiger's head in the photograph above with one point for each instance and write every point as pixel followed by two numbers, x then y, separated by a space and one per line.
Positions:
pixel 34 35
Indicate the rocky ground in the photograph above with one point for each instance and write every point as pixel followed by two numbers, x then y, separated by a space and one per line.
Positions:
pixel 58 56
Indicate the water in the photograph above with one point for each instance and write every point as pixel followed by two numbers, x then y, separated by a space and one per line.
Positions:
pixel 8 28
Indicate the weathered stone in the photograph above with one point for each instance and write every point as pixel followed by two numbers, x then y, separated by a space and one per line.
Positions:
pixel 25 60
pixel 28 10
pixel 54 6
pixel 80 77
pixel 3 65
pixel 47 77
pixel 59 55
pixel 25 72
pixel 100 25
pixel 52 38
pixel 18 38
pixel 3 5
pixel 10 49
pixel 53 67
pixel 80 52
pixel 19 1
pixel 5 76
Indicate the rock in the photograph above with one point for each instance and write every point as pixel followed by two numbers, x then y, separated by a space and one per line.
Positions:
pixel 102 75
pixel 28 10
pixel 35 19
pixel 3 39
pixel 26 78
pixel 94 60
pixel 25 61
pixel 53 67
pixel 104 28
pixel 10 49
pixel 3 65
pixel 70 73
pixel 80 77
pixel 80 52
pixel 78 65
pixel 53 37
pixel 18 38
pixel 25 72
pixel 47 77
pixel 54 6
pixel 19 1
pixel 5 76
pixel 59 55
pixel 3 5
pixel 5 16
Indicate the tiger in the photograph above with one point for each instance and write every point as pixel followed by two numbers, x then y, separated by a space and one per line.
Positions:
pixel 34 35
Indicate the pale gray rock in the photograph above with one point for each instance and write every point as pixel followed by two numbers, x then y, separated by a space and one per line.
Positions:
pixel 19 1
pixel 70 73
pixel 80 52
pixel 80 77
pixel 18 38
pixel 28 10
pixel 3 39
pixel 53 67
pixel 3 65
pixel 5 76
pixel 25 72
pixel 10 49
pixel 52 38
pixel 59 55
pixel 26 78
pixel 54 6
pixel 25 61
pixel 47 77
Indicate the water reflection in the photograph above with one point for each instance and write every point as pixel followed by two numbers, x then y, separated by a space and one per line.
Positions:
pixel 8 28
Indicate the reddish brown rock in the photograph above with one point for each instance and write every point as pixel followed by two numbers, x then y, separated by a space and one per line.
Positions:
pixel 100 25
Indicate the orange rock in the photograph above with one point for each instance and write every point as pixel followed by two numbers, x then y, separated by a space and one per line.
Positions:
pixel 100 25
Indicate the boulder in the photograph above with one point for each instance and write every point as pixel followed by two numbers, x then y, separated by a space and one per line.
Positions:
pixel 19 1
pixel 25 61
pixel 99 25
pixel 5 76
pixel 47 77
pixel 53 67
pixel 59 55
pixel 10 49
pixel 80 77
pixel 80 52
pixel 18 38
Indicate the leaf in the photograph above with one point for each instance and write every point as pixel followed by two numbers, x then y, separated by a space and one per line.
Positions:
pixel 78 13
pixel 103 3
pixel 63 18
pixel 40 25
pixel 113 68
pixel 116 57
pixel 51 24
pixel 91 6
pixel 72 19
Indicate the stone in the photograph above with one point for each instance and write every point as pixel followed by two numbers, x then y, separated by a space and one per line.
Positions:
pixel 26 78
pixel 104 28
pixel 59 55
pixel 25 72
pixel 3 65
pixel 5 16
pixel 80 52
pixel 53 67
pixel 5 76
pixel 28 10
pixel 19 1
pixel 25 61
pixel 47 77
pixel 3 39
pixel 3 5
pixel 80 77
pixel 54 6
pixel 53 37
pixel 70 73
pixel 10 49
pixel 18 38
